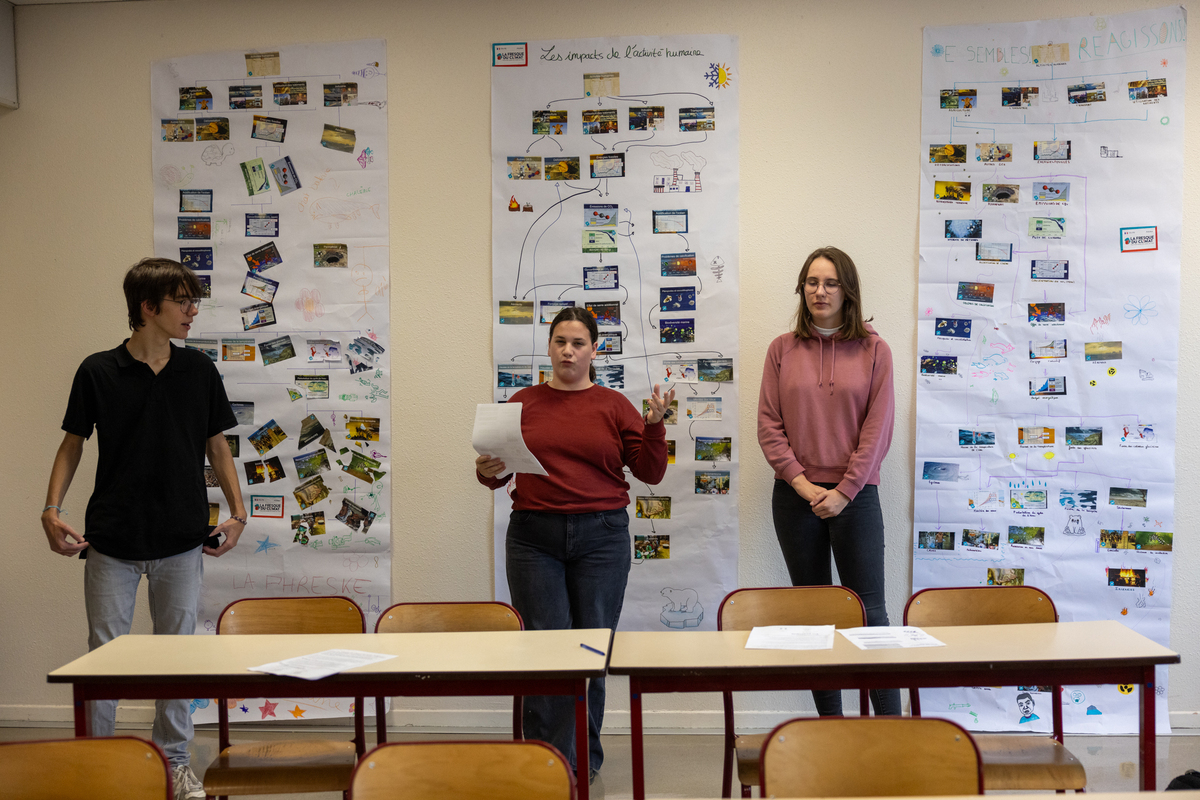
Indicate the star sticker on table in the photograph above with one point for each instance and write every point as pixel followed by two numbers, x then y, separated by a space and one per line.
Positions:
pixel 297 712
pixel 265 544
pixel 267 708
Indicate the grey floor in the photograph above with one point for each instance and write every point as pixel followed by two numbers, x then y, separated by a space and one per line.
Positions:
pixel 690 765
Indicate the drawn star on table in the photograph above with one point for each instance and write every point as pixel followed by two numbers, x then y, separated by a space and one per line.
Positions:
pixel 267 708
pixel 297 712
pixel 265 544
pixel 245 710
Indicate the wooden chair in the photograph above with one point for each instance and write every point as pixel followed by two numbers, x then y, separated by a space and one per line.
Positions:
pixel 744 609
pixel 873 756
pixel 447 617
pixel 464 771
pixel 1010 761
pixel 291 766
pixel 107 768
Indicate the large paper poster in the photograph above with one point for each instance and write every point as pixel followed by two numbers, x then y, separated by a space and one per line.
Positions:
pixel 270 181
pixel 615 188
pixel 1051 208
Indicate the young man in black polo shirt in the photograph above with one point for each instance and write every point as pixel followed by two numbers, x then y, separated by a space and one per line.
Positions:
pixel 158 411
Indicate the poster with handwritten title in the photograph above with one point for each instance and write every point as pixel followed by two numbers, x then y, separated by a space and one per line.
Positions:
pixel 615 189
pixel 270 182
pixel 1051 210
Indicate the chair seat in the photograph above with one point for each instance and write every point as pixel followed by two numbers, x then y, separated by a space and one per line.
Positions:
pixel 1028 762
pixel 282 768
pixel 748 749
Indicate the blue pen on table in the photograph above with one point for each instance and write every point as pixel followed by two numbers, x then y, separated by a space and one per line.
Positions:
pixel 594 650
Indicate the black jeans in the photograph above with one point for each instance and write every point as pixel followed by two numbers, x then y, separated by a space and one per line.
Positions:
pixel 855 537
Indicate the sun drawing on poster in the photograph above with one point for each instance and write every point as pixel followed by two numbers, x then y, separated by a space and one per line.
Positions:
pixel 719 76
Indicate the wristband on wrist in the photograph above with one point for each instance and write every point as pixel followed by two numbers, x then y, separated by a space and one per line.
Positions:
pixel 56 508
pixel 239 519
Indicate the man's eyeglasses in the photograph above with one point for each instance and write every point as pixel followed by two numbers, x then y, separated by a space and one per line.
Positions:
pixel 831 286
pixel 186 304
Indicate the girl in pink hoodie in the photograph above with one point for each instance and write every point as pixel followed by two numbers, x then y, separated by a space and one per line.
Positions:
pixel 825 414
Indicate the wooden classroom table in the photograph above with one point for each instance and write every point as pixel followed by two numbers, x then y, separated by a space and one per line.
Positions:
pixel 1058 653
pixel 426 665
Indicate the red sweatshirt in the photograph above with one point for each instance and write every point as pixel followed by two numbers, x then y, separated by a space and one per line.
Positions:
pixel 826 408
pixel 584 439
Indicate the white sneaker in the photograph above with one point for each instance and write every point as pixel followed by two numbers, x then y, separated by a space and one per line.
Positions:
pixel 187 786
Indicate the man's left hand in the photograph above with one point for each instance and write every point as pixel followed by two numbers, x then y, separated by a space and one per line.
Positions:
pixel 232 529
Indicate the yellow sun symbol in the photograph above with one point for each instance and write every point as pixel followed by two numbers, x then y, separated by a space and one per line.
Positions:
pixel 719 76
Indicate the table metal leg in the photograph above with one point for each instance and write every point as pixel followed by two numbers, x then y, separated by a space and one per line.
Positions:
pixel 635 724
pixel 1057 714
pixel 81 712
pixel 1147 758
pixel 583 759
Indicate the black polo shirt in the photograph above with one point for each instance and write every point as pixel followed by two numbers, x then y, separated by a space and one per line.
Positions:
pixel 149 499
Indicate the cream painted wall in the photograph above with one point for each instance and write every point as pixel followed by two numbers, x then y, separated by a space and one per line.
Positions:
pixel 830 135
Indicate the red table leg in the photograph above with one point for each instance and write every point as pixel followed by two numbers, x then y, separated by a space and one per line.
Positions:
pixel 1058 714
pixel 1147 758
pixel 635 724
pixel 81 713
pixel 583 759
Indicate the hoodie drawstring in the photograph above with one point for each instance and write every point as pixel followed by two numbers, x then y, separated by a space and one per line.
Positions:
pixel 832 361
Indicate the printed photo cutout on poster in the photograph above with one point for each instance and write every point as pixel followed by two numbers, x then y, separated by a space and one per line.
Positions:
pixel 1002 576
pixel 354 516
pixel 1047 312
pixel 1047 227
pixel 205 282
pixel 331 255
pixel 1055 386
pixel 1019 96
pixel 262 64
pixel 677 331
pixel 362 467
pixel 605 277
pixel 307 525
pixel 212 129
pixel 698 118
pixel 1001 193
pixel 256 473
pixel 947 154
pixel 1048 55
pixel 1047 348
pixel 599 215
pixel 337 138
pixel 952 328
pixel 1150 89
pixel 958 99
pixel 599 241
pixel 254 174
pixel 525 168
pixel 364 354
pixel 515 312
pixel 1086 93
pixel 670 451
pixel 243 411
pixel 1084 436
pixel 1038 435
pixel 196 258
pixel 178 130
pixel 973 438
pixel 1127 497
pixel 652 546
pixel 195 98
pixel 647 118
pixel 684 370
pixel 677 298
pixel 952 191
pixel 269 129
pixel 562 168
pixel 703 409
pixel 235 444
pixel 610 376
pixel 607 315
pixel 237 350
pixel 362 429
pixel 274 469
pixel 1054 151
pixel 270 435
pixel 715 370
pixel 264 226
pixel 245 97
pixel 195 201
pixel 514 376
pixel 653 507
pixel 545 373
pixel 670 220
pixel 313 387
pixel 194 227
pixel 310 430
pixel 985 501
pixel 1077 499
pixel 599 120
pixel 259 287
pixel 1031 536
pixel 214 509
pixel 993 152
pixel 609 344
pixel 206 346
pixel 550 122
pixel 607 165
pixel 714 448
pixel 1102 351
pixel 1048 270
pixel 1051 192
pixel 340 94
pixel 323 350
pixel 1151 541
pixel 275 350
pixel 935 540
pixel 1027 500
pixel 601 84
pixel 290 93
pixel 1000 252
pixel 1127 578
pixel 677 265
pixel 550 308
pixel 1139 432
pixel 712 482
pixel 944 471
pixel 975 539
pixel 963 229
pixel 672 415
pixel 939 365
pixel 285 175
pixel 311 492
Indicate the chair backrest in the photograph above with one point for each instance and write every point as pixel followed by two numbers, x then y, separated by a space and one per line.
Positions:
pixel 449 617
pixel 463 770
pixel 869 756
pixel 291 615
pixel 111 768
pixel 979 605
pixel 743 609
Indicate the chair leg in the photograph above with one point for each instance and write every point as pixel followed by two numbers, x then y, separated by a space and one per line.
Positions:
pixel 730 752
pixel 745 790
pixel 864 703
pixel 914 696
pixel 380 722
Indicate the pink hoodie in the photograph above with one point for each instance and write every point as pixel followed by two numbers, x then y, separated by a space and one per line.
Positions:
pixel 827 412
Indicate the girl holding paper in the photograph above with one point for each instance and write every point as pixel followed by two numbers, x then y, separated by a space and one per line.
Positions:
pixel 825 413
pixel 567 552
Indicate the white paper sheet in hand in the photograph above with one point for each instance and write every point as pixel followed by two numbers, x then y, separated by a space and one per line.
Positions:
pixel 791 637
pixel 498 434
pixel 320 665
pixel 885 638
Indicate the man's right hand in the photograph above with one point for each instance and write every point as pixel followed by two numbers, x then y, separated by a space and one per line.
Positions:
pixel 60 534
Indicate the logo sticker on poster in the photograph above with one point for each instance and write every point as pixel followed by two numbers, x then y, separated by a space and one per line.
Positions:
pixel 510 54
pixel 266 506
pixel 1140 239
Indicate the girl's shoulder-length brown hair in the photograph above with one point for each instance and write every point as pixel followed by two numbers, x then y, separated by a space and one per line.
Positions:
pixel 854 327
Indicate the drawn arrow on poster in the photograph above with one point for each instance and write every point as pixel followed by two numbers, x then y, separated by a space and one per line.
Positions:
pixel 626 327
pixel 626 300
pixel 521 258
pixel 602 145
pixel 714 391
pixel 648 138
pixel 701 289
pixel 687 248
pixel 681 144
pixel 648 319
pixel 535 141
pixel 540 285
pixel 570 286
pixel 659 94
pixel 563 100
